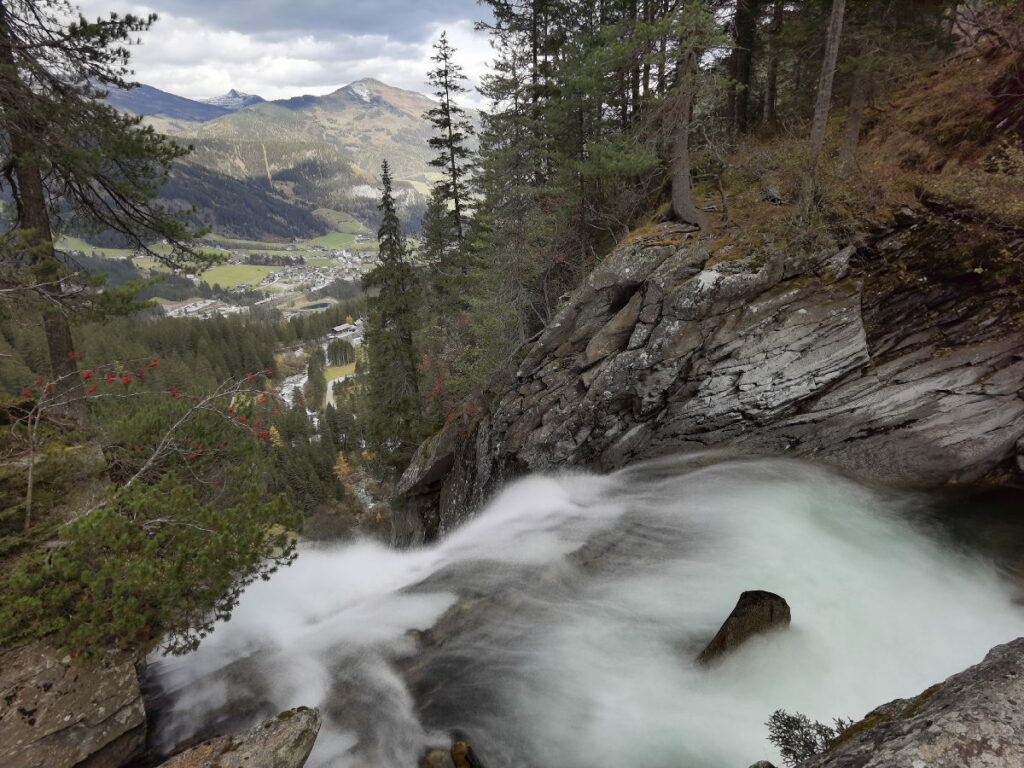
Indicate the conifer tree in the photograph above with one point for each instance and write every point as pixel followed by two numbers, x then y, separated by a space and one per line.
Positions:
pixel 393 398
pixel 65 151
pixel 453 130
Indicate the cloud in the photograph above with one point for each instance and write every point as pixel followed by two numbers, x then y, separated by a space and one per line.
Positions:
pixel 279 50
pixel 402 20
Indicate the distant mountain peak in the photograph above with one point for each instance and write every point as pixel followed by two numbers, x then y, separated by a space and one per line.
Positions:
pixel 234 99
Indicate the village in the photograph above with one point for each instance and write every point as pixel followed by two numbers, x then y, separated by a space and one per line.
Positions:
pixel 290 289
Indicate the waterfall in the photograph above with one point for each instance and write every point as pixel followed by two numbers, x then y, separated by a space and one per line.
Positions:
pixel 560 625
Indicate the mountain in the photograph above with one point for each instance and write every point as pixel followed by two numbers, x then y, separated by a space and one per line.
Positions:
pixel 234 100
pixel 309 151
pixel 152 102
pixel 365 121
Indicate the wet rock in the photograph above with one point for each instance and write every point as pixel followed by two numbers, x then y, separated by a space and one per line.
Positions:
pixel 756 613
pixel 56 712
pixel 284 741
pixel 762 764
pixel 885 360
pixel 972 720
pixel 463 755
pixel 437 758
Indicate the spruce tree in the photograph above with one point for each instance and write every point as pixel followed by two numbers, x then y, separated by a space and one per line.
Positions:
pixel 67 152
pixel 453 130
pixel 393 397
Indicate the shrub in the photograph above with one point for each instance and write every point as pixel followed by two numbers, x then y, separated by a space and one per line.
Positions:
pixel 797 737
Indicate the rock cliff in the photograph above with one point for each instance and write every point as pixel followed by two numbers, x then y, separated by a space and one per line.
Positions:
pixel 972 719
pixel 899 358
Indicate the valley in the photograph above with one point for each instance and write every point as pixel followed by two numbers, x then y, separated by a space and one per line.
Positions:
pixel 294 179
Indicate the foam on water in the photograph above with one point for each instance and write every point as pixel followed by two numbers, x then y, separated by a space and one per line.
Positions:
pixel 589 597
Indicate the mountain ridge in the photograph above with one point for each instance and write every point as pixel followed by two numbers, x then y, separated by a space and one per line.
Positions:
pixel 234 100
pixel 313 151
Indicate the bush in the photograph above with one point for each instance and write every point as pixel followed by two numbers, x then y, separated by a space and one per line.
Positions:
pixel 797 737
pixel 157 564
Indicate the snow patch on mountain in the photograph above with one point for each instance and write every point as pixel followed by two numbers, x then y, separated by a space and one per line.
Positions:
pixel 360 90
pixel 234 100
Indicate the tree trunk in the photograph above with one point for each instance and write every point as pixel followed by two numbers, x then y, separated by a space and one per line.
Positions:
pixel 683 206
pixel 854 117
pixel 771 83
pixel 33 217
pixel 648 50
pixel 740 61
pixel 821 107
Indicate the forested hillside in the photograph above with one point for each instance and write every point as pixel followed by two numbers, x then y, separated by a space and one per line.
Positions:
pixel 792 129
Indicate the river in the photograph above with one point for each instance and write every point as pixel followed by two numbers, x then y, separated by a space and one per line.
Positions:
pixel 573 607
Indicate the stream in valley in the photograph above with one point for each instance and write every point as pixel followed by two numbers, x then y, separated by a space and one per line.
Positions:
pixel 559 627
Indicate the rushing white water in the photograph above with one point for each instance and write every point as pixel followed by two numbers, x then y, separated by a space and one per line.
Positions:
pixel 575 607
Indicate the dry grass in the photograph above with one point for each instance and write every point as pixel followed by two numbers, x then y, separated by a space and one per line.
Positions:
pixel 942 137
pixel 939 136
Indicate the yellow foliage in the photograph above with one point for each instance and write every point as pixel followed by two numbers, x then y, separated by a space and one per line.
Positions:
pixel 275 437
pixel 343 471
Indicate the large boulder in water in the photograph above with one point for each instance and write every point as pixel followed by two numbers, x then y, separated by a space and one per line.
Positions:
pixel 284 741
pixel 57 712
pixel 755 613
pixel 972 720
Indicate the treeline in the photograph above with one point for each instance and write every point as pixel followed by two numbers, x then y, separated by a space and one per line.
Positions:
pixel 121 272
pixel 274 260
pixel 339 289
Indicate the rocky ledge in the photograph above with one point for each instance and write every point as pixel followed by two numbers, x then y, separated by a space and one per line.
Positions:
pixel 56 712
pixel 972 720
pixel 901 359
pixel 284 741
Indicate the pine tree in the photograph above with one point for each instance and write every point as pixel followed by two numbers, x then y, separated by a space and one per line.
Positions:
pixel 393 386
pixel 68 151
pixel 453 130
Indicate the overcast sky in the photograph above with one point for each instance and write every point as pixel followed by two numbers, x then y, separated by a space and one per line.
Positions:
pixel 283 48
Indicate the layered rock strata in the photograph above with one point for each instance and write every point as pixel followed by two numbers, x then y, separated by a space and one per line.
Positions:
pixel 901 359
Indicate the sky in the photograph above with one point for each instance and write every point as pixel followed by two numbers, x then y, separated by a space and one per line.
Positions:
pixel 284 48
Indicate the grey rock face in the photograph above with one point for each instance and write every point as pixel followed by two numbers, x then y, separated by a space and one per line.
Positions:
pixel 897 361
pixel 59 713
pixel 284 741
pixel 755 613
pixel 972 720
